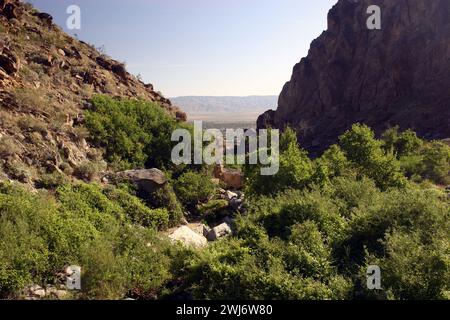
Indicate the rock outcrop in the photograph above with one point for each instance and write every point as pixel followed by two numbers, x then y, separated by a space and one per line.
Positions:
pixel 399 75
pixel 188 237
pixel 230 177
pixel 146 180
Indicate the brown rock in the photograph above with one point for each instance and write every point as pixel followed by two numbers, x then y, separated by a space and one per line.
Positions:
pixel 233 179
pixel 399 75
pixel 9 62
pixel 11 10
pixel 120 70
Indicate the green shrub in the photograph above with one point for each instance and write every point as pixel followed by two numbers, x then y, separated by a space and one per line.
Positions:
pixel 193 188
pixel 166 198
pixel 134 133
pixel 296 169
pixel 367 154
pixel 213 209
pixel 81 226
pixel 137 211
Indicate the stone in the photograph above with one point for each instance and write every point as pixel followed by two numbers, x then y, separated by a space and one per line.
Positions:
pixel 236 204
pixel 233 179
pixel 11 10
pixel 36 291
pixel 119 69
pixel 46 18
pixel 147 180
pixel 398 75
pixel 188 237
pixel 9 62
pixel 220 231
pixel 231 195
pixel 201 229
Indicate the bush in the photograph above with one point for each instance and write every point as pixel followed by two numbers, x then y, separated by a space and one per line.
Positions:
pixel 81 226
pixel 367 154
pixel 213 209
pixel 193 188
pixel 134 133
pixel 166 198
pixel 296 169
pixel 137 211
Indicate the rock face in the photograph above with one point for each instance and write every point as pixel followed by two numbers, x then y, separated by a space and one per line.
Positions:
pixel 399 75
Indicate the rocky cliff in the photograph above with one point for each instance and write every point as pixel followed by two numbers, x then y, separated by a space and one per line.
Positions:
pixel 46 81
pixel 399 75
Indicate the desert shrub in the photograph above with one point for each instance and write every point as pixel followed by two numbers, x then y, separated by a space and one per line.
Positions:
pixel 194 187
pixel 412 210
pixel 30 100
pixel 166 198
pixel 134 133
pixel 414 269
pixel 52 180
pixel 229 270
pixel 9 147
pixel 436 162
pixel 213 209
pixel 42 234
pixel 137 211
pixel 367 155
pixel 26 223
pixel 89 170
pixel 296 170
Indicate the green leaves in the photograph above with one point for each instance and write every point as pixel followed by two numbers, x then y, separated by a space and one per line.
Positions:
pixel 133 133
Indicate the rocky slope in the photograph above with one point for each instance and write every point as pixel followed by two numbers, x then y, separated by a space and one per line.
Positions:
pixel 46 81
pixel 399 75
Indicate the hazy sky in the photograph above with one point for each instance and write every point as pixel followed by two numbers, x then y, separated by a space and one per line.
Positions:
pixel 201 47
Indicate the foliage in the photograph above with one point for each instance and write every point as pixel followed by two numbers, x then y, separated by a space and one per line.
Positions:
pixel 41 234
pixel 193 188
pixel 134 133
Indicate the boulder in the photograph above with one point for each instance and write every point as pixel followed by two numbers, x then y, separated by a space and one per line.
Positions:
pixel 11 10
pixel 231 195
pixel 201 229
pixel 188 237
pixel 119 69
pixel 147 180
pixel 9 62
pixel 35 291
pixel 233 179
pixel 220 231
pixel 46 18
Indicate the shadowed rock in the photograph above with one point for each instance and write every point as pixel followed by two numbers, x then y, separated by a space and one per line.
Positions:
pixel 399 75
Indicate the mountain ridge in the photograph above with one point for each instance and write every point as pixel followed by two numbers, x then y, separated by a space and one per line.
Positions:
pixel 396 76
pixel 222 104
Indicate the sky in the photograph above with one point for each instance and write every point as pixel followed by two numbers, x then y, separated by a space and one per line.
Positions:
pixel 201 47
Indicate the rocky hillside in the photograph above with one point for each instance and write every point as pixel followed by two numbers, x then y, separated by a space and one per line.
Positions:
pixel 399 75
pixel 46 80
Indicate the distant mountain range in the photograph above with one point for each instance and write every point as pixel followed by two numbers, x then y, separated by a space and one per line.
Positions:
pixel 204 104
